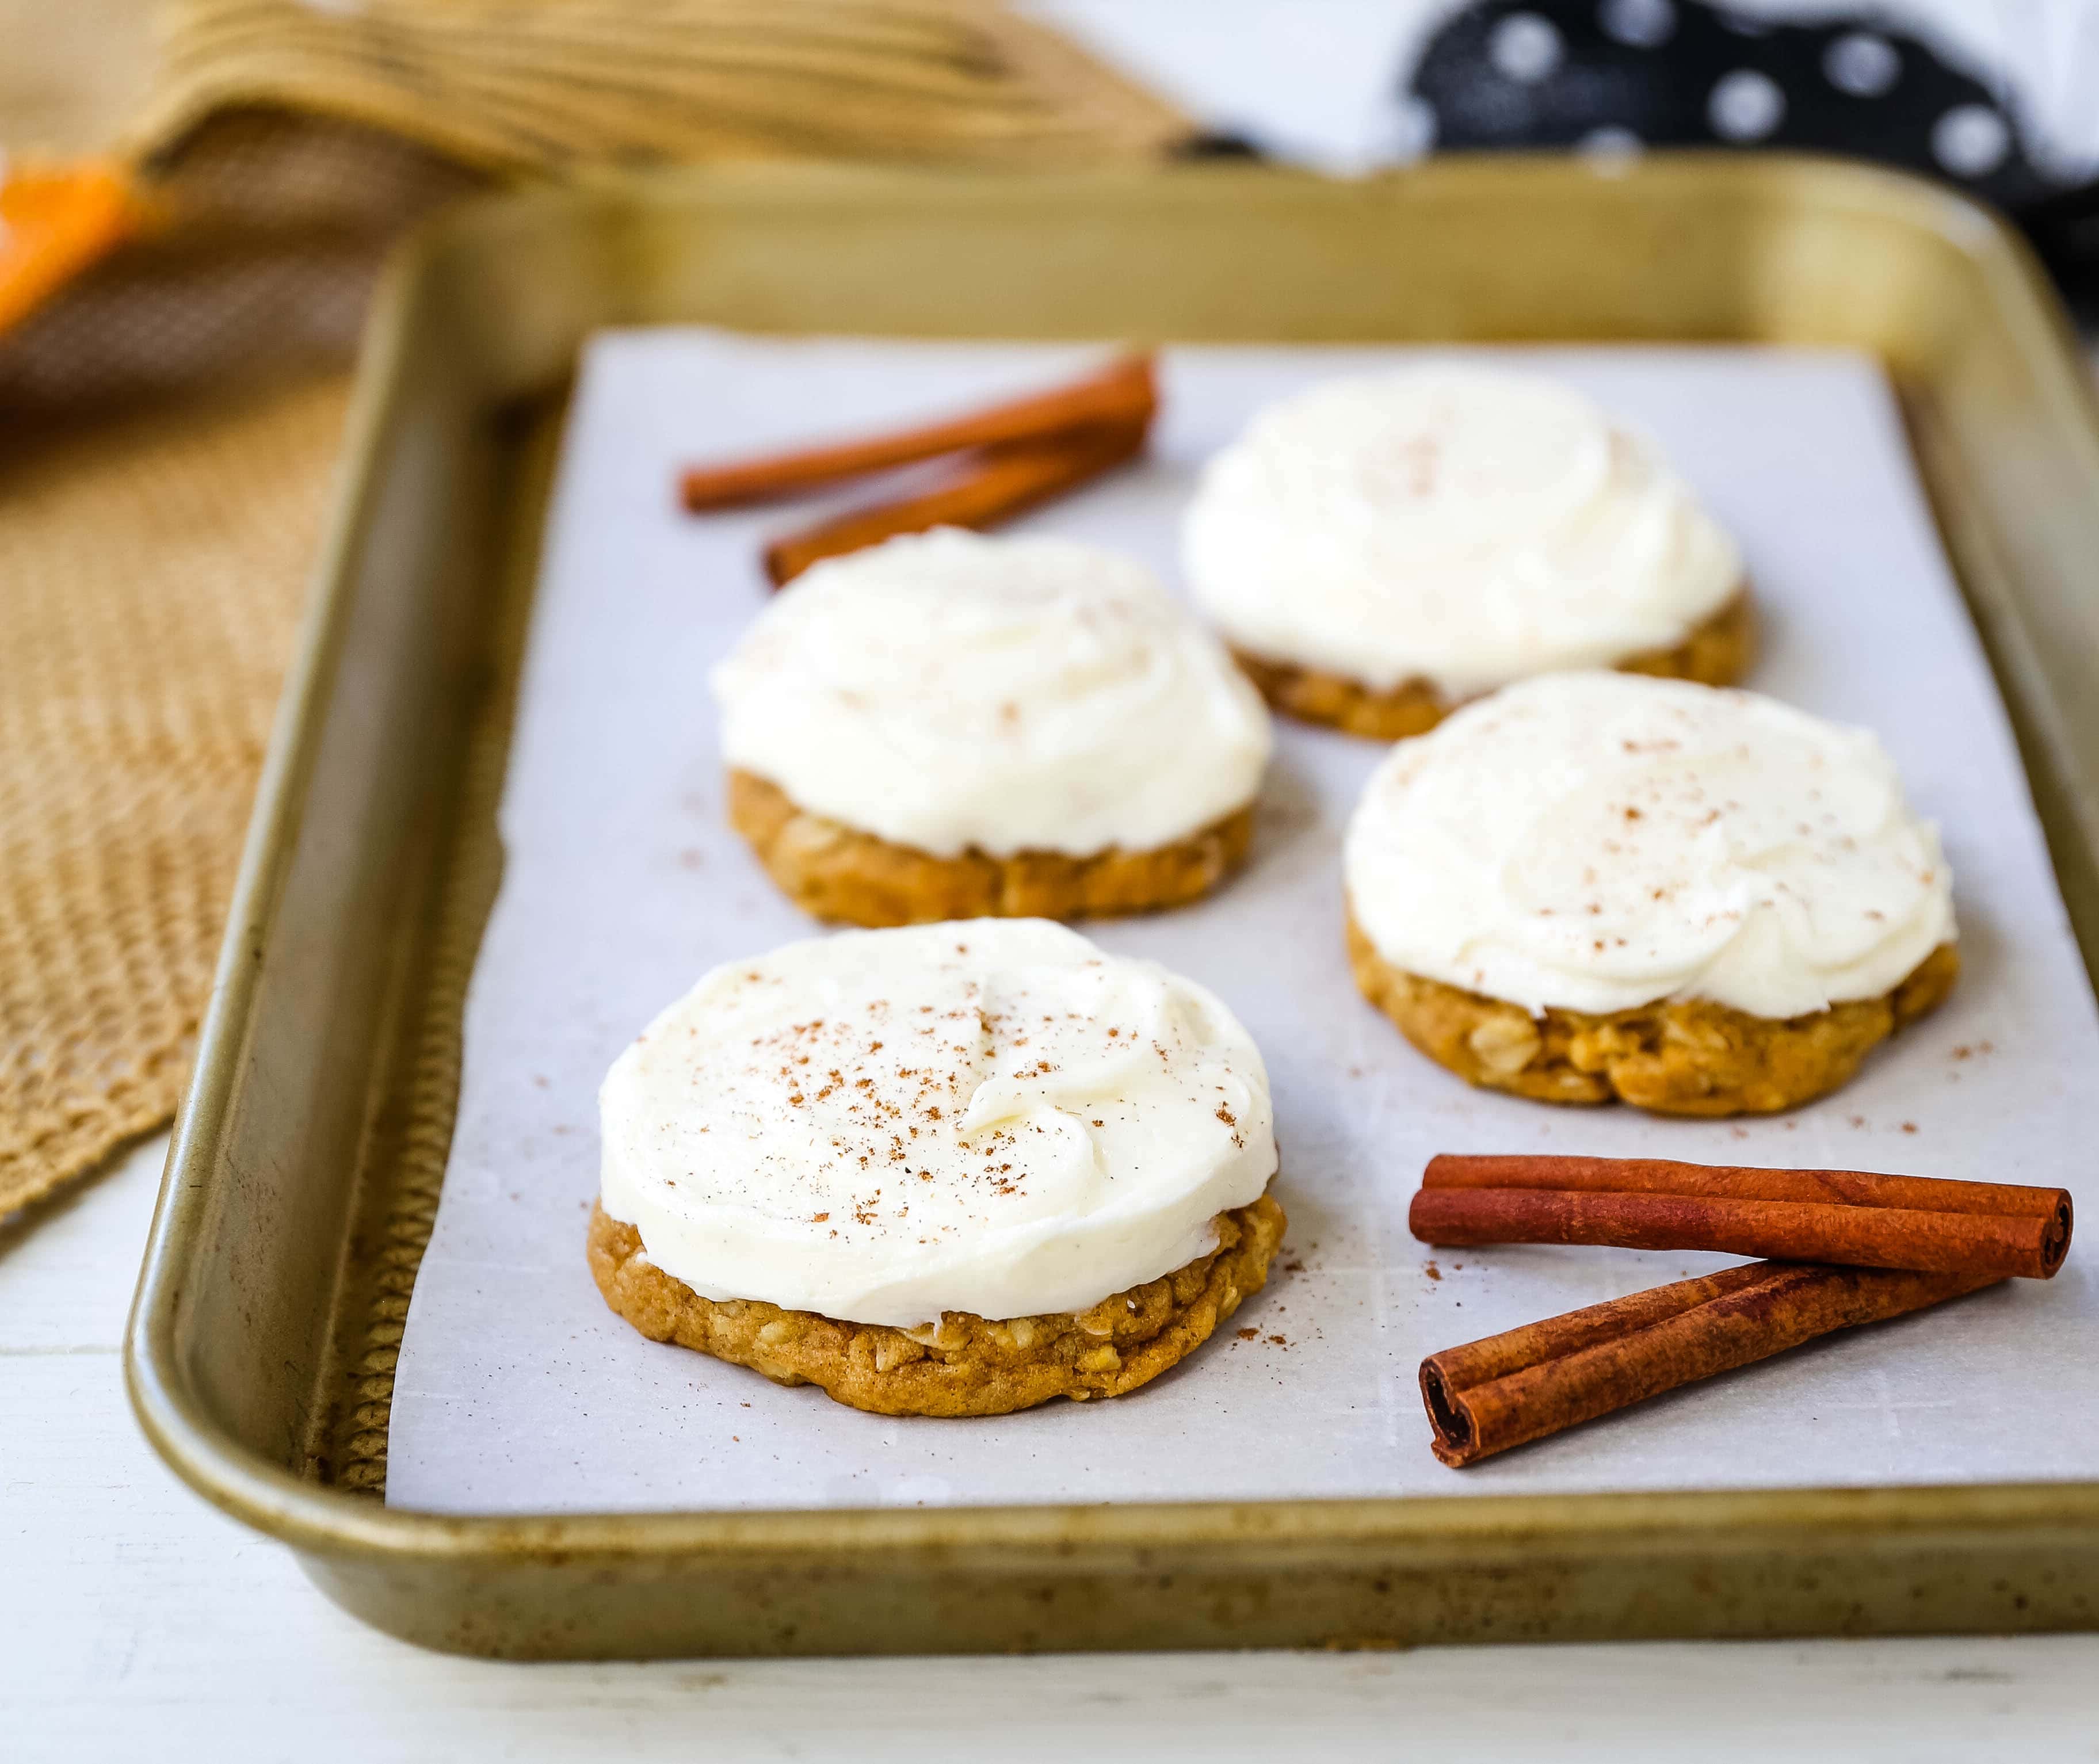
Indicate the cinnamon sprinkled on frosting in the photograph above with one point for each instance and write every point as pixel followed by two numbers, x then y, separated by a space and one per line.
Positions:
pixel 989 1116
pixel 1600 841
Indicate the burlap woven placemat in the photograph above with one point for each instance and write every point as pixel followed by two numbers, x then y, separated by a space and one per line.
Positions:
pixel 167 422
pixel 152 577
pixel 533 86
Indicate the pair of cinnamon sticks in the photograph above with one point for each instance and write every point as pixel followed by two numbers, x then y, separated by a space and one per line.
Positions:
pixel 1014 456
pixel 1846 1247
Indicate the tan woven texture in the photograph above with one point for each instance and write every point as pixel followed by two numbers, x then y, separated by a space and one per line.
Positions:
pixel 168 424
pixel 153 572
pixel 537 85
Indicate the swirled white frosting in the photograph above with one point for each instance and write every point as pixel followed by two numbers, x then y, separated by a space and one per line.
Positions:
pixel 988 1116
pixel 946 691
pixel 1600 841
pixel 1460 525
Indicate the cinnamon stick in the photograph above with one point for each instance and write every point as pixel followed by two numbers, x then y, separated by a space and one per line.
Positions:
pixel 1850 1216
pixel 1005 481
pixel 1488 1395
pixel 1117 397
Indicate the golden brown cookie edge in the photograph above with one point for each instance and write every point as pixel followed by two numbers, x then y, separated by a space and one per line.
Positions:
pixel 964 1365
pixel 1717 653
pixel 844 876
pixel 1673 1057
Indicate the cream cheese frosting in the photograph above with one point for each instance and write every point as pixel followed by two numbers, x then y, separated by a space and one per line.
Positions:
pixel 988 1115
pixel 1600 841
pixel 1462 525
pixel 945 691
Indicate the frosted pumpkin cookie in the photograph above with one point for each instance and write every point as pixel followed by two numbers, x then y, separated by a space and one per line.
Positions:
pixel 1595 887
pixel 952 1169
pixel 1378 550
pixel 947 726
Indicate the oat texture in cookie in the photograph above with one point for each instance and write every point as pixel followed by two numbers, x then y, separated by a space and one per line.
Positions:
pixel 987 1120
pixel 958 1364
pixel 1675 1057
pixel 1717 653
pixel 834 873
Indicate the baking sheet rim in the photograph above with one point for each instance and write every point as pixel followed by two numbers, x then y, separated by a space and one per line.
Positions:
pixel 329 1523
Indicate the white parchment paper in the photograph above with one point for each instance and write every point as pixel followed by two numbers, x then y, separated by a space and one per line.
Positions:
pixel 519 1392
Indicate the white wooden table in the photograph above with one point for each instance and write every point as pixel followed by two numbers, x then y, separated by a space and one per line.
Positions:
pixel 136 1623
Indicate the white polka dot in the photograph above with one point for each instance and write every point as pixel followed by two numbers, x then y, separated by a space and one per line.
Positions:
pixel 1612 139
pixel 1862 64
pixel 1638 24
pixel 1410 130
pixel 1745 106
pixel 1525 48
pixel 1971 140
pixel 1609 149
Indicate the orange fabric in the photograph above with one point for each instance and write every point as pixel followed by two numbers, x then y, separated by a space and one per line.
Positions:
pixel 53 222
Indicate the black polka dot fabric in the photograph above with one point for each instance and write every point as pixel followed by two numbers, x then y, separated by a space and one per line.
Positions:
pixel 1612 76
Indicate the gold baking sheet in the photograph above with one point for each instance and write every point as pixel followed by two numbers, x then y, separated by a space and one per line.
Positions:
pixel 304 1172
